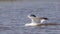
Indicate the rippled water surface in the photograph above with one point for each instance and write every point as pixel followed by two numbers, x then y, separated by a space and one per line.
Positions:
pixel 13 16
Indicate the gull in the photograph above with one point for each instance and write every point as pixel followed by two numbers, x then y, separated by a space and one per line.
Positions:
pixel 35 20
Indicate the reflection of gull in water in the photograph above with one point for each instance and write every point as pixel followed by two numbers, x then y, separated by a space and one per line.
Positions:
pixel 35 20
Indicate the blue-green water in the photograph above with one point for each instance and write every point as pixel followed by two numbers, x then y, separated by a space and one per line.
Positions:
pixel 13 16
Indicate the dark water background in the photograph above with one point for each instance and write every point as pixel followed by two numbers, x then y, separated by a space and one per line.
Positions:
pixel 13 16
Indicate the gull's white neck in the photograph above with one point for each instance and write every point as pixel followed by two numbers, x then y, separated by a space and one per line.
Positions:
pixel 42 20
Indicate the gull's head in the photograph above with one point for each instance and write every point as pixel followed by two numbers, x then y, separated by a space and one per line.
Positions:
pixel 43 19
